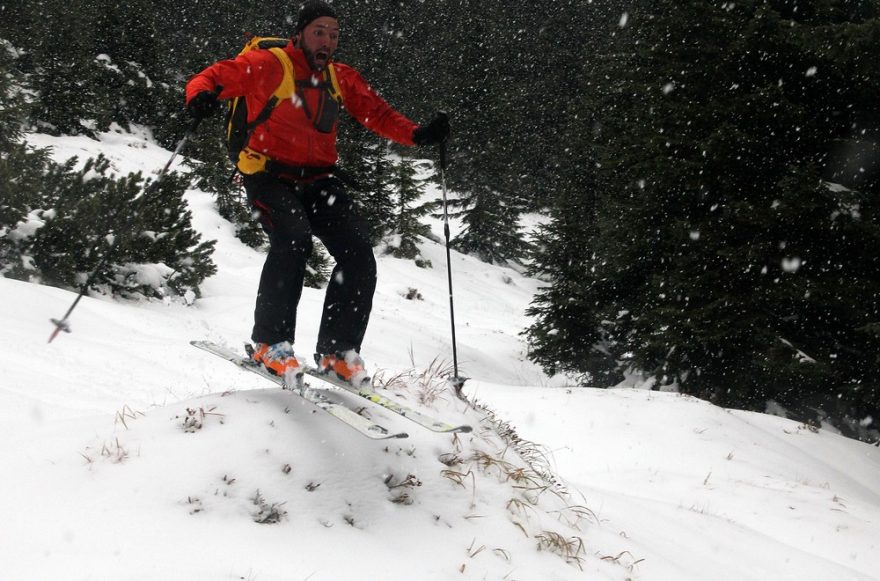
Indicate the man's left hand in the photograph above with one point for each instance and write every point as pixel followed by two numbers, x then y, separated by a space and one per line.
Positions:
pixel 435 132
pixel 204 104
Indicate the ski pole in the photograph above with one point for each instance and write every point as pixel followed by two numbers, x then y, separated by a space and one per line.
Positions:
pixel 457 382
pixel 62 324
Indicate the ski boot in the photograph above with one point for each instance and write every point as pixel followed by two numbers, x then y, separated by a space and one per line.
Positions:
pixel 280 360
pixel 347 366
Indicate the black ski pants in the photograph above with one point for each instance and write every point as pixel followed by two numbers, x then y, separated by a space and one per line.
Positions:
pixel 291 212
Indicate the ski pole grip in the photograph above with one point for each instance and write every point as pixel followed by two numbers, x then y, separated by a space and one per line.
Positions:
pixel 197 120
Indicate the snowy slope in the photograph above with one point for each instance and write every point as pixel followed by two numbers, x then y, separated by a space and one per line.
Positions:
pixel 128 454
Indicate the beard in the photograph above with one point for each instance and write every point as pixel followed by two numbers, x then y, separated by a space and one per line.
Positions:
pixel 318 59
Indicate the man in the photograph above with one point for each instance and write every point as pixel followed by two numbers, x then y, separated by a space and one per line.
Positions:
pixel 287 169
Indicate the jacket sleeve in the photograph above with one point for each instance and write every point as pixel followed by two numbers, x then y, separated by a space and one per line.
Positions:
pixel 246 74
pixel 371 110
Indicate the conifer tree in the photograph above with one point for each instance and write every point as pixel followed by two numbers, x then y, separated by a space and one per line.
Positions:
pixel 722 261
pixel 15 109
pixel 364 163
pixel 408 229
pixel 22 168
pixel 490 227
pixel 567 336
pixel 57 218
pixel 86 213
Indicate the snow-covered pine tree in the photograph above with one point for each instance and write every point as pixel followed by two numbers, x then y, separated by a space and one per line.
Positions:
pixel 22 168
pixel 56 219
pixel 567 335
pixel 83 212
pixel 410 209
pixel 491 228
pixel 722 261
pixel 364 161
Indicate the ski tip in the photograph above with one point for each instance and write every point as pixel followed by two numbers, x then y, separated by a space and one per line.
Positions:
pixel 463 429
pixel 401 435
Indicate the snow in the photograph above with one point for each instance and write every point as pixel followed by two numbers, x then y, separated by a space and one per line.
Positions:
pixel 128 454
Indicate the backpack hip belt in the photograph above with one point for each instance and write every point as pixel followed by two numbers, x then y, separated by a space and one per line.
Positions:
pixel 297 172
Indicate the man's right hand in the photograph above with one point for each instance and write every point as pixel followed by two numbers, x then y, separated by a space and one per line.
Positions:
pixel 203 105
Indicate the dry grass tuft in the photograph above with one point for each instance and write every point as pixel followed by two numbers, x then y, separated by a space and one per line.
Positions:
pixel 450 459
pixel 126 413
pixel 195 418
pixel 114 452
pixel 533 454
pixel 428 385
pixel 401 488
pixel 267 512
pixel 571 549
pixel 619 560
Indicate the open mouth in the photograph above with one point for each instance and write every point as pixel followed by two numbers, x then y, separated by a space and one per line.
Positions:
pixel 322 56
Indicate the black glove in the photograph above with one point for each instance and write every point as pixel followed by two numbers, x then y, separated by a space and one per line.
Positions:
pixel 203 105
pixel 435 132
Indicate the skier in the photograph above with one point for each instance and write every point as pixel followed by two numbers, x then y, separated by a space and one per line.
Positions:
pixel 287 167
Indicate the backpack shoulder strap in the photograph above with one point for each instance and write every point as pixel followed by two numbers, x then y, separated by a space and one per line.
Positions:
pixel 335 91
pixel 255 42
pixel 288 85
pixel 285 90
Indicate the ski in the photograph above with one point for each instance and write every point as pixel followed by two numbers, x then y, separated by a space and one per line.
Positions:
pixel 367 393
pixel 338 410
pixel 409 413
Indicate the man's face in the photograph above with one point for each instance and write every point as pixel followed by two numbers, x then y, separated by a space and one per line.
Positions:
pixel 318 40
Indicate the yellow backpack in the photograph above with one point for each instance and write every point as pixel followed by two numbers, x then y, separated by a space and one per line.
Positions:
pixel 239 130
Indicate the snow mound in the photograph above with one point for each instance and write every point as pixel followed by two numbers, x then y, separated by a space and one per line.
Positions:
pixel 323 500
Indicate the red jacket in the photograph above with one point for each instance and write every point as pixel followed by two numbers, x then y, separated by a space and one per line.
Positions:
pixel 289 136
